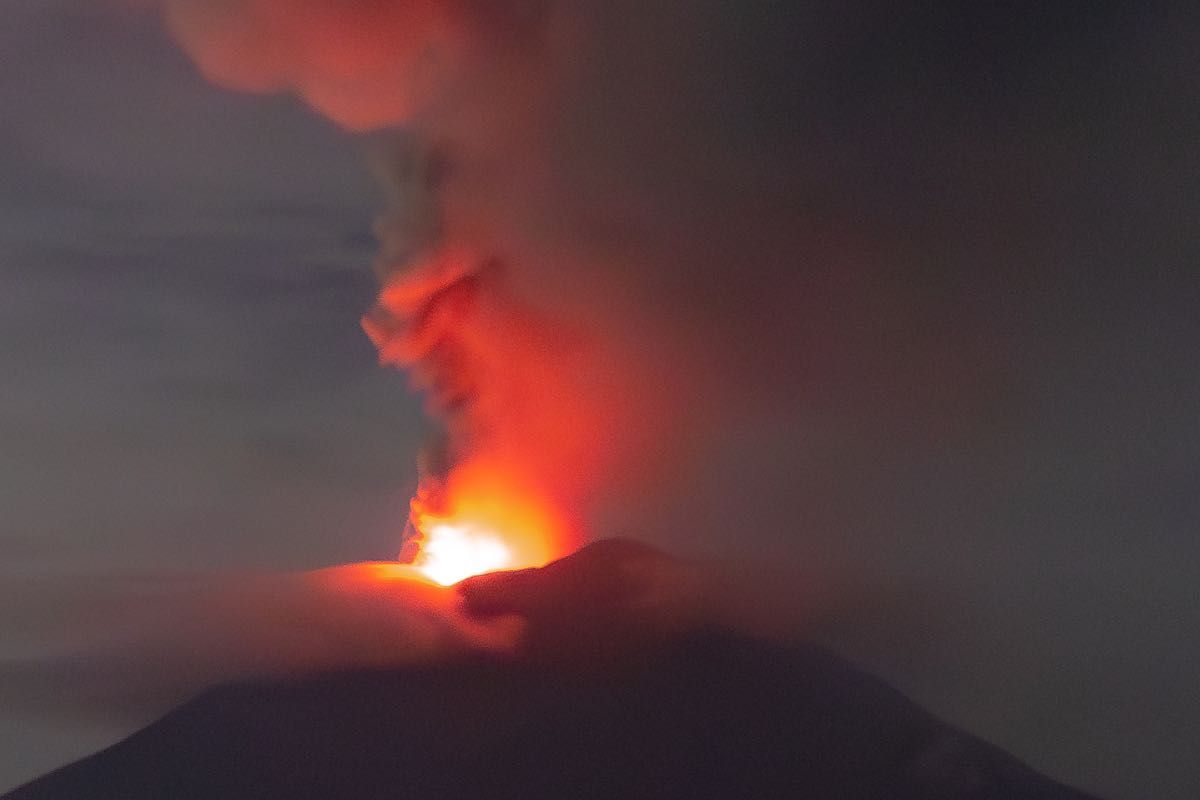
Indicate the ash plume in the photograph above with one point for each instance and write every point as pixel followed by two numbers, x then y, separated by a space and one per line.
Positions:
pixel 605 212
pixel 493 316
pixel 778 256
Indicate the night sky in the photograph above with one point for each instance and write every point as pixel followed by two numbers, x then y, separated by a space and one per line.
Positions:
pixel 186 386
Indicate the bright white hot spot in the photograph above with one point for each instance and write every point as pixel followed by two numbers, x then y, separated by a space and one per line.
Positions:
pixel 450 553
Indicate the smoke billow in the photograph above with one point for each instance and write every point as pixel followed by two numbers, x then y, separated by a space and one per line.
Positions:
pixel 509 302
pixel 581 244
pixel 362 63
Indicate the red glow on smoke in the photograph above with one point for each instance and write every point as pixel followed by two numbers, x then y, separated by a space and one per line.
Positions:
pixel 529 409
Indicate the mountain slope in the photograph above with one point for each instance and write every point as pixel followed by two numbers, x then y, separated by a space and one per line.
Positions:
pixel 710 715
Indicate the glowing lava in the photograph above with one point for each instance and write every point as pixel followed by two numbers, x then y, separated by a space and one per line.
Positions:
pixel 482 519
pixel 450 553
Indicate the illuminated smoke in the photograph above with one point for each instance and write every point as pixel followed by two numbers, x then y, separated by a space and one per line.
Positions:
pixel 627 238
pixel 579 267
pixel 536 398
pixel 364 64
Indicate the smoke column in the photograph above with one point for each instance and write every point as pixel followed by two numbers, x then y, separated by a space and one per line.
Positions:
pixel 519 321
pixel 752 275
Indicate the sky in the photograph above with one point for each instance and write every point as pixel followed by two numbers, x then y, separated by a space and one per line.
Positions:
pixel 186 386
pixel 170 288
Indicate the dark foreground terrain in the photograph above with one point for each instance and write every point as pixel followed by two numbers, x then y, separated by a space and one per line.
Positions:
pixel 710 715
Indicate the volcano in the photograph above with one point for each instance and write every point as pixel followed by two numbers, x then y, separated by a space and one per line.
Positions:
pixel 709 714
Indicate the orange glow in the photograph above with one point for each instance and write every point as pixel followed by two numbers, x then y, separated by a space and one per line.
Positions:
pixel 450 553
pixel 538 413
pixel 483 521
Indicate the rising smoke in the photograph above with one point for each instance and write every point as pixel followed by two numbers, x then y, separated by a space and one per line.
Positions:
pixel 584 253
pixel 508 301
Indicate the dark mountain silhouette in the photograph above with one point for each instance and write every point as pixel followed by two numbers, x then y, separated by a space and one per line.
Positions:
pixel 710 715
